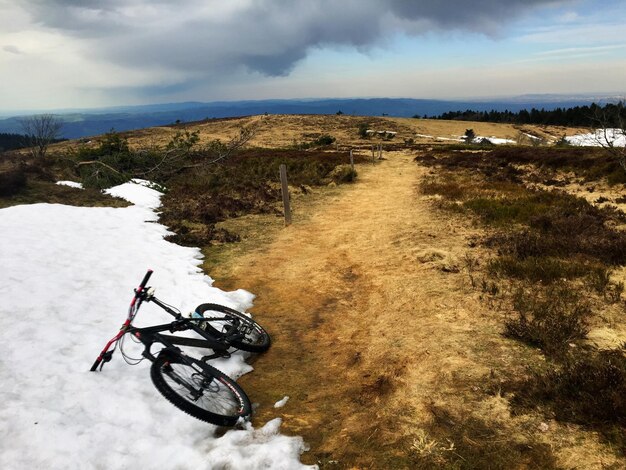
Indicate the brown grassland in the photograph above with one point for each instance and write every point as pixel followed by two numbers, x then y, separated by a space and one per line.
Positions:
pixel 452 307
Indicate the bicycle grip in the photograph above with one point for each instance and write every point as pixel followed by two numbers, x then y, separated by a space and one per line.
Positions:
pixel 145 279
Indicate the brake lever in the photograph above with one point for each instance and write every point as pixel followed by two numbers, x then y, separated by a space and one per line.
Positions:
pixel 146 294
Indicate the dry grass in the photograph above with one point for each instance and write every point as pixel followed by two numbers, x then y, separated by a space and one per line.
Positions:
pixel 282 131
pixel 467 442
pixel 553 273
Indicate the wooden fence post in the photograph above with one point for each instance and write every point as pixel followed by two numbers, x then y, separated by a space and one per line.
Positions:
pixel 351 161
pixel 285 189
pixel 380 151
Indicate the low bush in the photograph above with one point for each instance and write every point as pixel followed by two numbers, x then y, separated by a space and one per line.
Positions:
pixel 362 130
pixel 545 270
pixel 343 174
pixel 324 140
pixel 589 163
pixel 596 243
pixel 618 176
pixel 113 161
pixel 588 388
pixel 545 210
pixel 202 235
pixel 549 318
pixel 12 181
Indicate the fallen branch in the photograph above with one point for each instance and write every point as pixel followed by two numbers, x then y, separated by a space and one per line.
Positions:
pixel 97 162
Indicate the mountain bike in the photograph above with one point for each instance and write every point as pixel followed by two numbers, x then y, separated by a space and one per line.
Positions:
pixel 191 384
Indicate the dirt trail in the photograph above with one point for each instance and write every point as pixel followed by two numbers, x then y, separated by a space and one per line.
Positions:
pixel 370 327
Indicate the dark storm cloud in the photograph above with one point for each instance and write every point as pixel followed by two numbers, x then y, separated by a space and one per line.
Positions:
pixel 208 37
pixel 476 15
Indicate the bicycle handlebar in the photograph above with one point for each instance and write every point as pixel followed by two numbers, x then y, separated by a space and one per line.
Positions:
pixel 105 355
pixel 145 279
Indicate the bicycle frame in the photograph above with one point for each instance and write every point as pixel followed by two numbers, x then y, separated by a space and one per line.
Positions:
pixel 152 334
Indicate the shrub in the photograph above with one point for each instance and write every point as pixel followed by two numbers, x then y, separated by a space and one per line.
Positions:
pixel 599 243
pixel 562 142
pixel 324 140
pixel 343 174
pixel 12 181
pixel 100 175
pixel 550 318
pixel 589 389
pixel 617 177
pixel 557 225
pixel 538 269
pixel 200 236
pixel 362 129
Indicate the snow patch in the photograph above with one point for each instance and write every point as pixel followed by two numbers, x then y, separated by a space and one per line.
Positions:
pixel 494 140
pixel 599 138
pixel 137 192
pixel 262 448
pixel 73 184
pixel 66 280
pixel 282 402
pixel 458 139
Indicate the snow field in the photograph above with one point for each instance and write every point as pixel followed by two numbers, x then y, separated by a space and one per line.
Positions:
pixel 66 279
pixel 599 138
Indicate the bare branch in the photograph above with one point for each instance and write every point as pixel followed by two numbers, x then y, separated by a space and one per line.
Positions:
pixel 97 162
pixel 41 130
pixel 609 127
pixel 245 135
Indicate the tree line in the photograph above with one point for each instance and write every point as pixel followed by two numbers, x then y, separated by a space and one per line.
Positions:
pixel 12 141
pixel 609 115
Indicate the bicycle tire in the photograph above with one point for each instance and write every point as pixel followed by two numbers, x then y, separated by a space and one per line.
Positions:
pixel 255 339
pixel 220 400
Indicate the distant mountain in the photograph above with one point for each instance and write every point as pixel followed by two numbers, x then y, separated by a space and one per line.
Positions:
pixel 83 122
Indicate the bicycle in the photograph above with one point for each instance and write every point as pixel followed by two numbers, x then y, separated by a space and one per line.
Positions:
pixel 191 384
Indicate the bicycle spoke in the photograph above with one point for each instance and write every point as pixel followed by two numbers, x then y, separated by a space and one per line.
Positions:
pixel 207 393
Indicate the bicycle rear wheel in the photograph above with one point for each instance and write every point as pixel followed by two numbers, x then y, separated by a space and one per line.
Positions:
pixel 200 389
pixel 252 337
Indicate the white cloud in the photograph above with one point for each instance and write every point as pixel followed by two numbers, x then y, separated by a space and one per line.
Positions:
pixel 11 49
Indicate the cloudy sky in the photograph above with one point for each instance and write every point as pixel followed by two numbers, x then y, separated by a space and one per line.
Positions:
pixel 87 53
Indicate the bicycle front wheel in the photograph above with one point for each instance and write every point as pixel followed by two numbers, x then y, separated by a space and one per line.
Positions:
pixel 248 334
pixel 200 389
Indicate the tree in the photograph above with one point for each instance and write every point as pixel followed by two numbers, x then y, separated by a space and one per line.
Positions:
pixel 41 130
pixel 469 136
pixel 609 130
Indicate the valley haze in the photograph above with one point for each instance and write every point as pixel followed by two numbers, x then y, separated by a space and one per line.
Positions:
pixel 79 123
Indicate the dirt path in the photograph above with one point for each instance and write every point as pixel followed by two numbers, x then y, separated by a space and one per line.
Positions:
pixel 368 333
